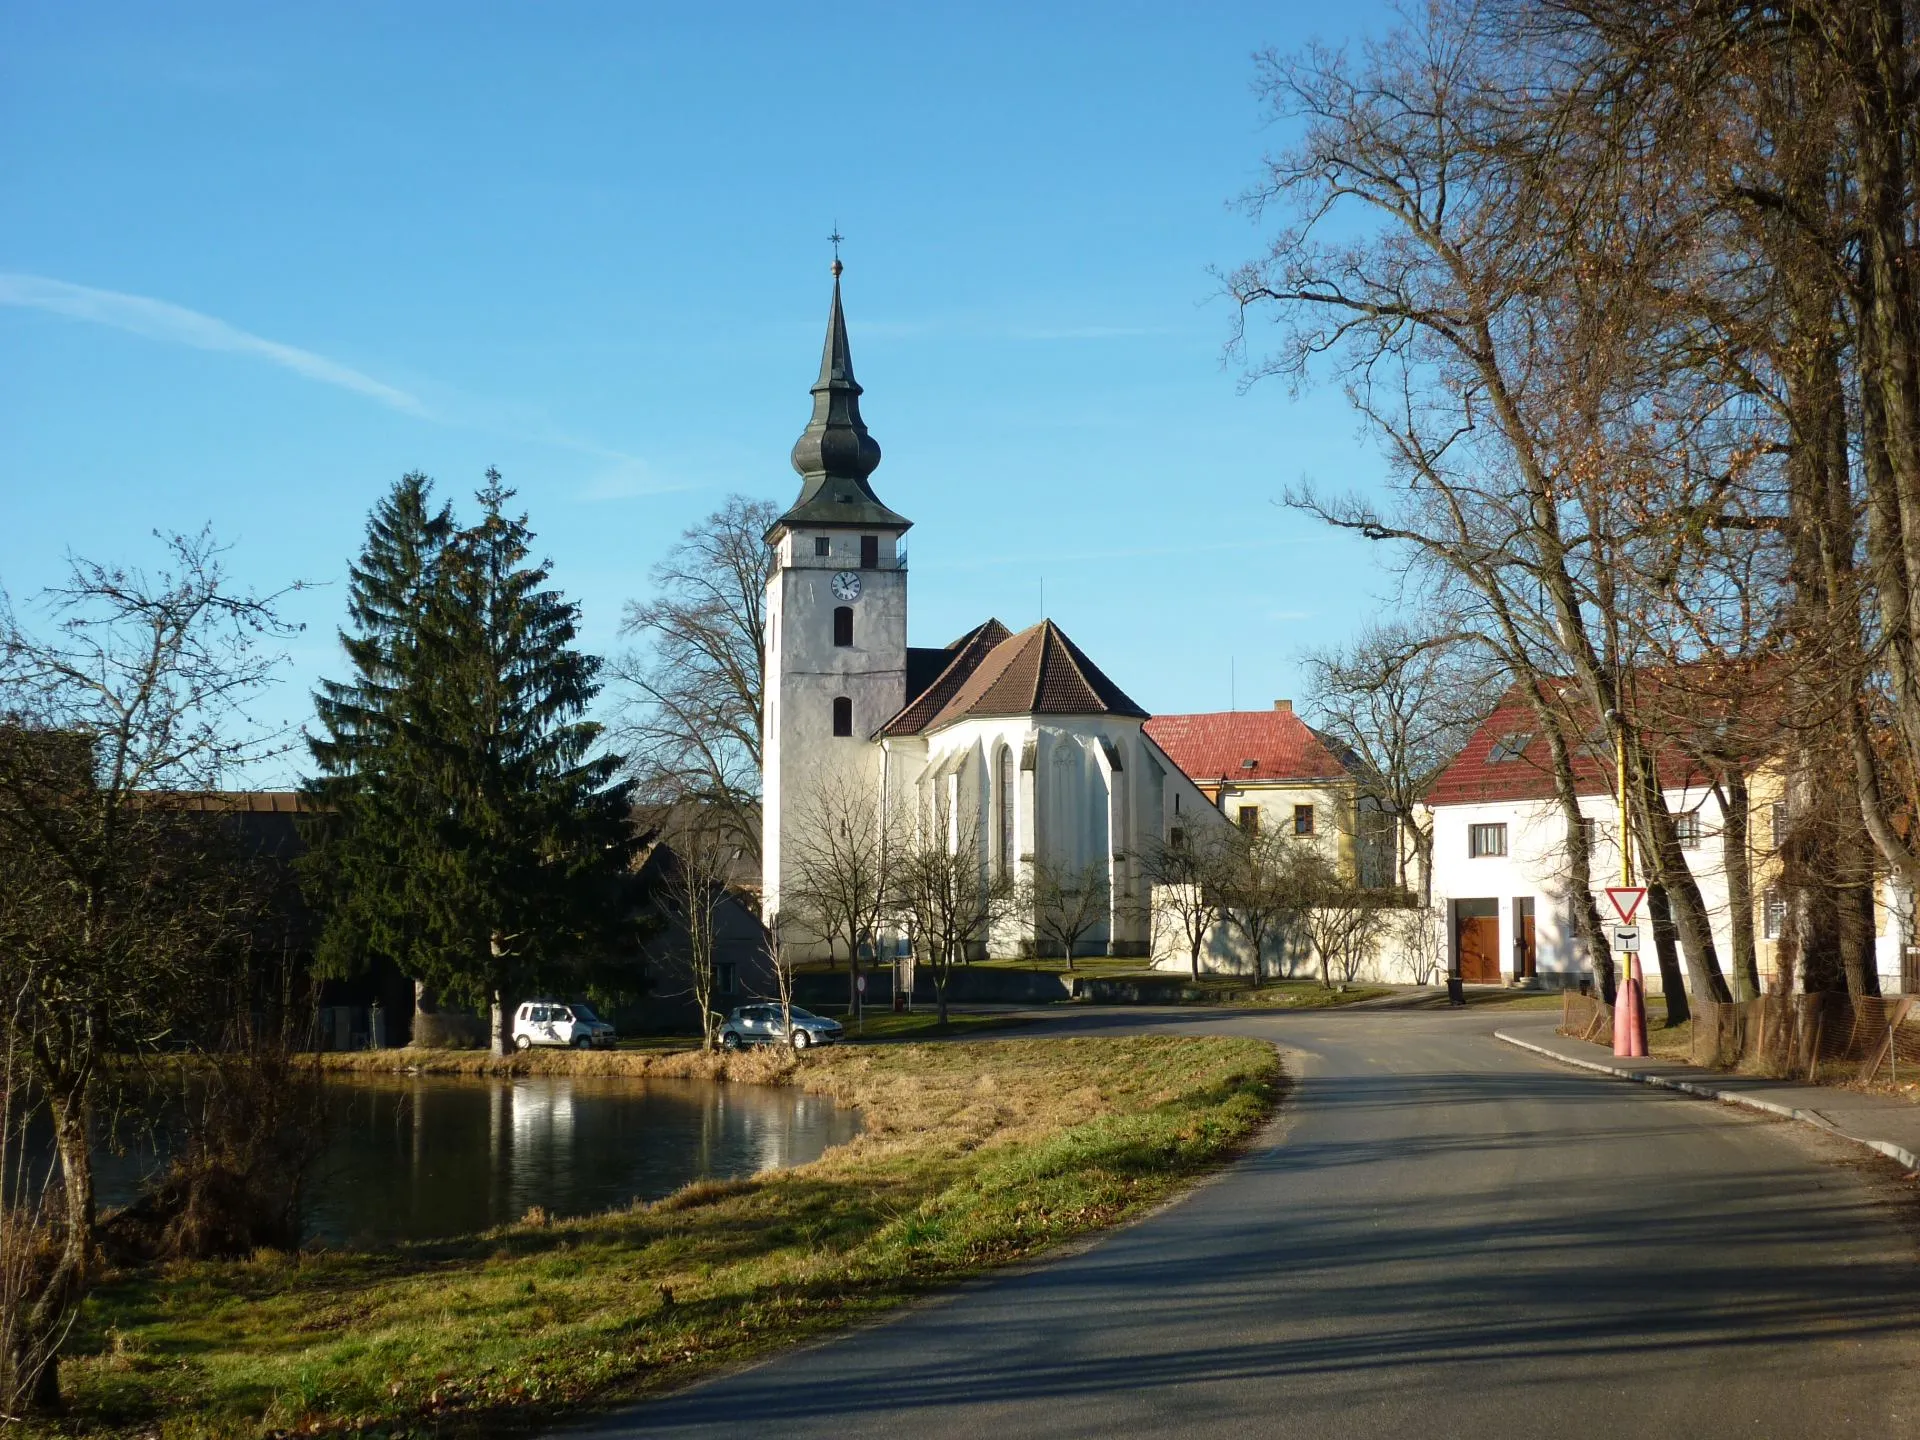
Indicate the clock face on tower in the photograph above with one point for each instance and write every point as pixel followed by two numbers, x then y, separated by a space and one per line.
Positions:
pixel 846 585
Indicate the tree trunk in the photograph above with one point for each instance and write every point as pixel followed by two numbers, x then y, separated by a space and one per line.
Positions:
pixel 65 1286
pixel 1736 859
pixel 1672 979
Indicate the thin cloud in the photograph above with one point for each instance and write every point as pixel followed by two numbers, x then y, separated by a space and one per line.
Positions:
pixel 1141 552
pixel 1091 332
pixel 631 480
pixel 175 324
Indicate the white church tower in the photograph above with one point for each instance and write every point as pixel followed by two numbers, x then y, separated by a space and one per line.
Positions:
pixel 836 620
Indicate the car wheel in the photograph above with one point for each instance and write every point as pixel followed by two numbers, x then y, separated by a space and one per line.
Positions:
pixel 729 1041
pixel 522 1042
pixel 801 1039
pixel 583 1042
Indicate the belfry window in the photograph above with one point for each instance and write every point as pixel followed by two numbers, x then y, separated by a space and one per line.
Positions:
pixel 842 716
pixel 821 545
pixel 843 625
pixel 869 552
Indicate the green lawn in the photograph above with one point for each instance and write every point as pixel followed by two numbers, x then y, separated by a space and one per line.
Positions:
pixel 972 1155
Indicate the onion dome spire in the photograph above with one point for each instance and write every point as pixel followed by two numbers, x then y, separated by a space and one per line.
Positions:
pixel 835 454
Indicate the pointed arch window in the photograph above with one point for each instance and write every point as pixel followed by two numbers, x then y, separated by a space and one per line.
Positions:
pixel 843 626
pixel 1003 800
pixel 842 716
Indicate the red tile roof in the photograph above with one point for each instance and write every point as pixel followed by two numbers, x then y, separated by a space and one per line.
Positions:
pixel 1719 707
pixel 950 669
pixel 1278 743
pixel 1037 672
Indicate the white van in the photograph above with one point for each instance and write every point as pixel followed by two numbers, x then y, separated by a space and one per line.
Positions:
pixel 550 1022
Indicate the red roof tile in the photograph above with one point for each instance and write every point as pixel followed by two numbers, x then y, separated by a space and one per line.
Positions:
pixel 1037 672
pixel 1278 743
pixel 1508 757
pixel 961 659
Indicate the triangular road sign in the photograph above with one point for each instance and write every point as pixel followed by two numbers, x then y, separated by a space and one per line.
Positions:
pixel 1626 900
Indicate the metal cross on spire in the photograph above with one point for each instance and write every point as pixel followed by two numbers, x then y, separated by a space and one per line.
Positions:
pixel 835 238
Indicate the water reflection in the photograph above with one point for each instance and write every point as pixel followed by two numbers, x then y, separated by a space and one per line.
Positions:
pixel 424 1157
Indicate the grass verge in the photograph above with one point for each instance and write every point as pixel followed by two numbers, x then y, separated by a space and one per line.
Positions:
pixel 973 1155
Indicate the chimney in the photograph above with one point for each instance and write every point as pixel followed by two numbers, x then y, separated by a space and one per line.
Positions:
pixel 1285 705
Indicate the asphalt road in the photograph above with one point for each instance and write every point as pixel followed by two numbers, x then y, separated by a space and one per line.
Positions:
pixel 1442 1237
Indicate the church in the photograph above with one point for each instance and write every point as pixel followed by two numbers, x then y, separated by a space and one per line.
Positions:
pixel 1020 747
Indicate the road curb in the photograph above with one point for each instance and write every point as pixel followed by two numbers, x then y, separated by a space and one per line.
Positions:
pixel 1898 1153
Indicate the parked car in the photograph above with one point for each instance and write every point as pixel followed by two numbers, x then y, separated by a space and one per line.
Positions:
pixel 761 1025
pixel 549 1022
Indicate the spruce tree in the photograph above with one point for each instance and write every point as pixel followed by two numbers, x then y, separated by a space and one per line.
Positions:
pixel 356 869
pixel 519 862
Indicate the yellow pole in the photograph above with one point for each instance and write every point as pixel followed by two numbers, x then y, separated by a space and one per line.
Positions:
pixel 1626 832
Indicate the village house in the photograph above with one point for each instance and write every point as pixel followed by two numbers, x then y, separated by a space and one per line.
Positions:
pixel 1268 772
pixel 1501 858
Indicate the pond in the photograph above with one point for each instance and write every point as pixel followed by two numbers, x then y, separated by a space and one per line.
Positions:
pixel 417 1158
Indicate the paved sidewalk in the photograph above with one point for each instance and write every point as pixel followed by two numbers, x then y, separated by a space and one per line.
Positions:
pixel 1892 1127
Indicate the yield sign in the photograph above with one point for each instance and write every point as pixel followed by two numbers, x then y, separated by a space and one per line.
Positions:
pixel 1626 900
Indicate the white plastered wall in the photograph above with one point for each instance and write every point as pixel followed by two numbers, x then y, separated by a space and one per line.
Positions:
pixel 802 758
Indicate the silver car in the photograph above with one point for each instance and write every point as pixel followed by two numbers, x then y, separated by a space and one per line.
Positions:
pixel 761 1025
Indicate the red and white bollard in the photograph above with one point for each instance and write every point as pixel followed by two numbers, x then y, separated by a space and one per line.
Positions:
pixel 1630 1014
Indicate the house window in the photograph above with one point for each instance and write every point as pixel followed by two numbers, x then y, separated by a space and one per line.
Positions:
pixel 1773 915
pixel 1303 820
pixel 1779 822
pixel 1250 819
pixel 724 976
pixel 1592 833
pixel 822 545
pixel 1176 838
pixel 1484 841
pixel 1686 829
pixel 1509 747
pixel 843 625
pixel 869 552
pixel 843 716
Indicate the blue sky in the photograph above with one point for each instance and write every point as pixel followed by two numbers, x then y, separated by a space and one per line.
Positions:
pixel 260 260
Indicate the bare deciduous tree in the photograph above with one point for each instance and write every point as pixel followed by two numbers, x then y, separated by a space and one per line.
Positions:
pixel 699 859
pixel 124 907
pixel 1403 701
pixel 1183 874
pixel 1266 881
pixel 1067 905
pixel 942 885
pixel 696 683
pixel 840 856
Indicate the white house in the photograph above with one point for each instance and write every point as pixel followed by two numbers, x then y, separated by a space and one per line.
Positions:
pixel 1034 756
pixel 1501 869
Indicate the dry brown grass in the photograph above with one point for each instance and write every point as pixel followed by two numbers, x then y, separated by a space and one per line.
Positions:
pixel 973 1154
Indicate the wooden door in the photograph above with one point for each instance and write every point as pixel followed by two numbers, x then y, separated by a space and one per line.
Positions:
pixel 1524 959
pixel 1480 949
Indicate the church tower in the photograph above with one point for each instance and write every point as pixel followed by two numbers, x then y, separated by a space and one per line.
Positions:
pixel 836 621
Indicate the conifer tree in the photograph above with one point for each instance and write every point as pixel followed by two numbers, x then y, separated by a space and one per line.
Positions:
pixel 356 868
pixel 518 861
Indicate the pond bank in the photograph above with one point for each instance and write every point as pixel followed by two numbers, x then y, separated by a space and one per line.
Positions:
pixel 973 1154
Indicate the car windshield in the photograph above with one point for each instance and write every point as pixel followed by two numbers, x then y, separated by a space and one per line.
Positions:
pixel 583 1012
pixel 800 1014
